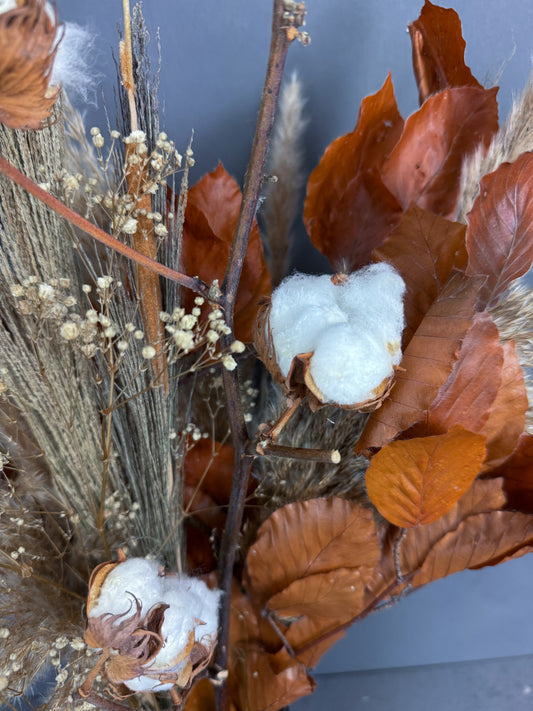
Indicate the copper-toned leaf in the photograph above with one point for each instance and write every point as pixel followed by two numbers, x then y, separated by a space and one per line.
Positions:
pixel 480 540
pixel 517 473
pixel 348 210
pixel 499 238
pixel 470 391
pixel 201 697
pixel 318 607
pixel 208 469
pixel 28 44
pixel 423 249
pixel 425 165
pixel 211 214
pixel 507 415
pixel 483 496
pixel 310 537
pixel 438 51
pixel 267 682
pixel 416 481
pixel 427 362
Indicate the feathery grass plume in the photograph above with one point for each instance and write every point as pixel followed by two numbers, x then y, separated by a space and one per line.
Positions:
pixel 514 317
pixel 284 481
pixel 28 44
pixel 514 138
pixel 282 193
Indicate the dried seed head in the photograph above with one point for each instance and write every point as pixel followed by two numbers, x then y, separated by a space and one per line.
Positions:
pixel 28 44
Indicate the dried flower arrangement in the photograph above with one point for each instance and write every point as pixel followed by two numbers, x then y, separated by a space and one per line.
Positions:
pixel 179 530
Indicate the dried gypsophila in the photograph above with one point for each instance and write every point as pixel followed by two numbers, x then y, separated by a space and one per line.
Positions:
pixel 336 340
pixel 155 630
pixel 28 45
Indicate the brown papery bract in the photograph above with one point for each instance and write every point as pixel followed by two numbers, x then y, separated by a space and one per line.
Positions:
pixel 427 362
pixel 438 51
pixel 416 481
pixel 28 46
pixel 423 248
pixel 211 214
pixel 315 536
pixel 348 210
pixel 498 238
pixel 425 166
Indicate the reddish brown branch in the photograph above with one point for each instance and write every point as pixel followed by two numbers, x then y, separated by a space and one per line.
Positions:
pixel 100 702
pixel 81 223
pixel 280 42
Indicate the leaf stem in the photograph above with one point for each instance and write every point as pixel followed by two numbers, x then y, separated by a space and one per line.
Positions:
pixel 193 283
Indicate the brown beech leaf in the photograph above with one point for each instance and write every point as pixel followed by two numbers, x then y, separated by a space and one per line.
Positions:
pixel 211 214
pixel 427 362
pixel 438 51
pixel 499 235
pixel 480 540
pixel 310 537
pixel 317 608
pixel 517 473
pixel 507 415
pixel 260 681
pixel 201 697
pixel 416 481
pixel 422 247
pixel 484 496
pixel 348 210
pixel 470 391
pixel 425 165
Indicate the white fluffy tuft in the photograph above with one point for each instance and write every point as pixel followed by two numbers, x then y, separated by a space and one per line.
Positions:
pixel 73 63
pixel 353 329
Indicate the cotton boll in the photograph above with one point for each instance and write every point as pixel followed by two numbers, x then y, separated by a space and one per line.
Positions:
pixel 348 365
pixel 136 577
pixel 6 5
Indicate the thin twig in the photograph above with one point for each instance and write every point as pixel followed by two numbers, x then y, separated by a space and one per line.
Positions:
pixel 279 46
pixel 327 456
pixel 193 283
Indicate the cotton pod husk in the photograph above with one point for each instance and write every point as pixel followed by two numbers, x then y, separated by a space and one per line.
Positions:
pixel 299 381
pixel 148 626
pixel 28 44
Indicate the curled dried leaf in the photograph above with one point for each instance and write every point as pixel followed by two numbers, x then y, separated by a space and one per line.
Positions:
pixel 28 44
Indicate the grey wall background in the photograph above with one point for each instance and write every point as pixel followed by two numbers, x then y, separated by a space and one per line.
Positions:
pixel 213 60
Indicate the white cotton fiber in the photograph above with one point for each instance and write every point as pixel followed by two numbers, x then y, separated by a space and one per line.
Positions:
pixel 138 577
pixel 353 328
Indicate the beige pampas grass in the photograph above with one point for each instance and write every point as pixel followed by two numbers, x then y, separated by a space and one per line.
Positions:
pixel 514 138
pixel 283 191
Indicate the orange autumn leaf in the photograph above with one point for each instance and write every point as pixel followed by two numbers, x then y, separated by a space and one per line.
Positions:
pixel 469 393
pixel 423 248
pixel 517 473
pixel 414 482
pixel 438 51
pixel 318 608
pixel 481 540
pixel 267 682
pixel 484 496
pixel 348 210
pixel 507 415
pixel 425 165
pixel 211 214
pixel 498 238
pixel 201 697
pixel 427 362
pixel 310 537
